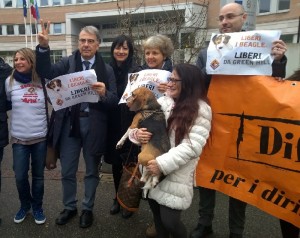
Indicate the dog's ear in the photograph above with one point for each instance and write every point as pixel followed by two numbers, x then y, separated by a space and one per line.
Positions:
pixel 49 85
pixel 226 39
pixel 151 102
pixel 58 82
pixel 214 38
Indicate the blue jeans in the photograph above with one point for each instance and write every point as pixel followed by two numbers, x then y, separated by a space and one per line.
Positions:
pixel 21 162
pixel 70 148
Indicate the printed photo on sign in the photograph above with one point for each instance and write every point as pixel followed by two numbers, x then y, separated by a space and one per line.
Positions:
pixel 149 78
pixel 250 51
pixel 71 89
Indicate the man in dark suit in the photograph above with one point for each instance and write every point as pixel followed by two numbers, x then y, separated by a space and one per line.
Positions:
pixel 80 126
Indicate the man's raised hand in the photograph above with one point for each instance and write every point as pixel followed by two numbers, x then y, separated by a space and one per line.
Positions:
pixel 43 36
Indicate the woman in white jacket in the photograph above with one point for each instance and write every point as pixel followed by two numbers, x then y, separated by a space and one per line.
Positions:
pixel 188 117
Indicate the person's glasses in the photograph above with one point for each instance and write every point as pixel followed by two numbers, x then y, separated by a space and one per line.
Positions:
pixel 89 41
pixel 229 16
pixel 173 80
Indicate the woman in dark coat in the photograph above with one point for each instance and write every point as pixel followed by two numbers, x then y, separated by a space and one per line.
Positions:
pixel 120 119
pixel 5 71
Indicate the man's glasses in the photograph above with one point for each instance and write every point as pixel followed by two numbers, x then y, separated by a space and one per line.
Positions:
pixel 229 16
pixel 89 41
pixel 173 80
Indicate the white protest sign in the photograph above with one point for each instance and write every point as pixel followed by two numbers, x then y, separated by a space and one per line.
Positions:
pixel 149 78
pixel 71 89
pixel 241 53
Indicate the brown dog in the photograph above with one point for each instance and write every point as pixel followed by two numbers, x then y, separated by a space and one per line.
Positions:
pixel 148 115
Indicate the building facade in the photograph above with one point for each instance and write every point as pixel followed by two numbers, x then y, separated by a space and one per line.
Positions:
pixel 138 18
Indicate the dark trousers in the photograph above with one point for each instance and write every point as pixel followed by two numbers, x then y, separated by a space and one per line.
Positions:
pixel 1 157
pixel 237 210
pixel 167 221
pixel 288 230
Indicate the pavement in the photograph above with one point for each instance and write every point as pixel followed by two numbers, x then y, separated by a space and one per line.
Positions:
pixel 258 223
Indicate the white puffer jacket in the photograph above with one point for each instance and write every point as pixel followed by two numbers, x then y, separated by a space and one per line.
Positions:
pixel 176 190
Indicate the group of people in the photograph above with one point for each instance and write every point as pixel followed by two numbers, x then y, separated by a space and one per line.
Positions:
pixel 96 127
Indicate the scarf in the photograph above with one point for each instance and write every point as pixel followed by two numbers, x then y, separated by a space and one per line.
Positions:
pixel 22 78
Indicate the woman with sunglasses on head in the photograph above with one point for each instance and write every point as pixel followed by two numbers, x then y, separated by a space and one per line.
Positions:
pixel 120 119
pixel 25 90
pixel 188 117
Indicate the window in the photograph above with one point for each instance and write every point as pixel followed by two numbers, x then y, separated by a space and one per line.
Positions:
pixel 44 3
pixel 288 38
pixel 57 28
pixel 68 2
pixel 56 2
pixel 33 29
pixel 283 5
pixel 19 3
pixel 22 30
pixel 268 6
pixel 91 0
pixel 264 6
pixel 10 30
pixel 8 3
pixel 0 30
pixel 79 1
pixel 109 26
pixel 56 55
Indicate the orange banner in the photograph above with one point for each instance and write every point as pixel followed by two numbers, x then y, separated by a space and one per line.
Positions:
pixel 253 153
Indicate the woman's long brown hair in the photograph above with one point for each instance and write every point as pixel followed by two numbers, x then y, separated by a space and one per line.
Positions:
pixel 186 106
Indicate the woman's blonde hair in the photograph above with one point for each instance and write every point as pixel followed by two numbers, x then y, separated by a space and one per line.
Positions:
pixel 161 42
pixel 29 55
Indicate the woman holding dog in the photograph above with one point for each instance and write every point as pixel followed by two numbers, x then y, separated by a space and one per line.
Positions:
pixel 28 133
pixel 157 53
pixel 188 117
pixel 119 120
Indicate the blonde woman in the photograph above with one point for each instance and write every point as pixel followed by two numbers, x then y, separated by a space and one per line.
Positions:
pixel 28 133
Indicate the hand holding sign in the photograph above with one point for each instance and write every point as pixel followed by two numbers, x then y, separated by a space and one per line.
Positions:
pixel 100 88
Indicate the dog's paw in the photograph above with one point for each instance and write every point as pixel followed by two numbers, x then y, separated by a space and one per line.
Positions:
pixel 154 181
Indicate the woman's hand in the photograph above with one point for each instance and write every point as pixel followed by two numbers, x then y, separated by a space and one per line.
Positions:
pixel 153 168
pixel 99 87
pixel 143 136
pixel 43 37
pixel 162 87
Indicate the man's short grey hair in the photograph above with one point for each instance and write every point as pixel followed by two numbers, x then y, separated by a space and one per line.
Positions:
pixel 92 30
pixel 161 42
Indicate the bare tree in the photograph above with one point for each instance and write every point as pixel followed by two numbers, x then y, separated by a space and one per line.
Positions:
pixel 182 20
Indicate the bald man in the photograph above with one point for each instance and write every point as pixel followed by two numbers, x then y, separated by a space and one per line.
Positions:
pixel 231 19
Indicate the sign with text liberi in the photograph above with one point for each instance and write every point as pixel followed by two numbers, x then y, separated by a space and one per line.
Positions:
pixel 149 78
pixel 71 89
pixel 253 153
pixel 241 53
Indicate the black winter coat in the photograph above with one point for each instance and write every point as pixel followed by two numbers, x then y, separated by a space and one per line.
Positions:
pixel 98 115
pixel 5 71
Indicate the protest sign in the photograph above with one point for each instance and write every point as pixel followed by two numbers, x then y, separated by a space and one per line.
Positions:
pixel 149 78
pixel 253 153
pixel 71 89
pixel 241 53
